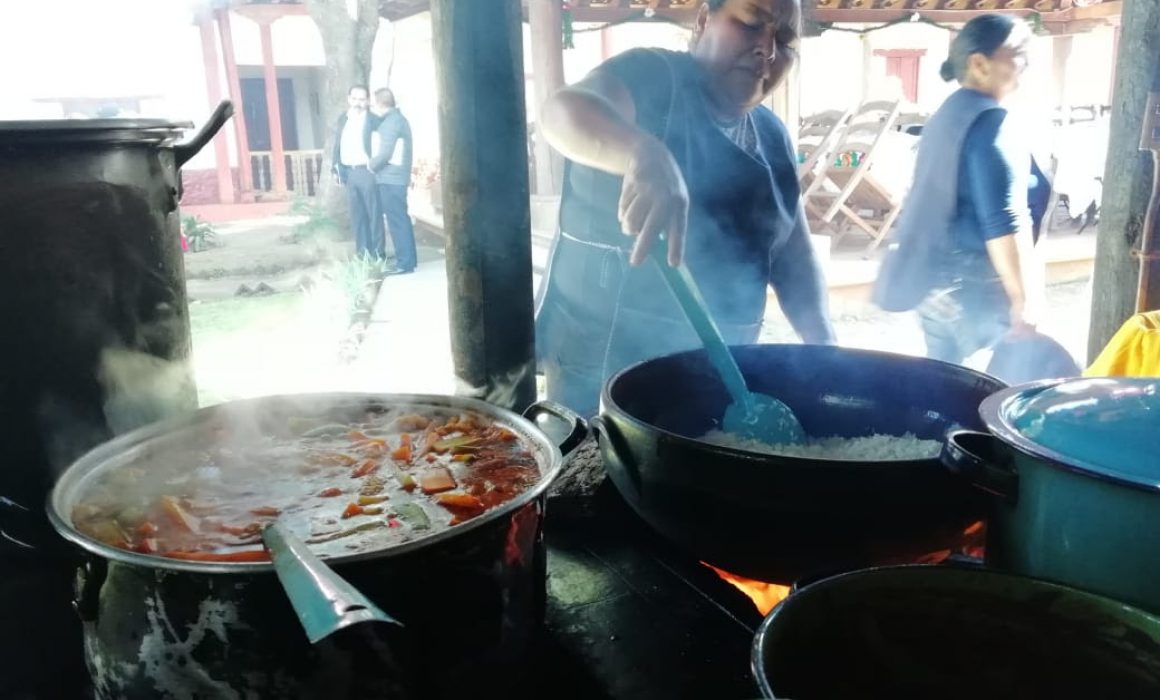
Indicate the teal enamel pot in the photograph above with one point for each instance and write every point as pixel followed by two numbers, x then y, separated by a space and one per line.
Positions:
pixel 1074 470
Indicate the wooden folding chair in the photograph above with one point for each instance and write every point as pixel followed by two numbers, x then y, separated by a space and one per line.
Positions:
pixel 816 140
pixel 861 201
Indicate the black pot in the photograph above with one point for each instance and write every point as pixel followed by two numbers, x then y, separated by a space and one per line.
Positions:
pixel 954 632
pixel 95 341
pixel 470 597
pixel 780 518
pixel 93 303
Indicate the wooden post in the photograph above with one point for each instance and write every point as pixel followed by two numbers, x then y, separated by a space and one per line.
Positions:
pixel 482 118
pixel 241 137
pixel 273 109
pixel 545 18
pixel 1127 176
pixel 867 63
pixel 213 90
pixel 1148 291
pixel 1115 52
pixel 1060 52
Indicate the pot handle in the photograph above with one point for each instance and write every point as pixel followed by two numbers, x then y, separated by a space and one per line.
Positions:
pixel 978 458
pixel 551 412
pixel 221 114
pixel 87 588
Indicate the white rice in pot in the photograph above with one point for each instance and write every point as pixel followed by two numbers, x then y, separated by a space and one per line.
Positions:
pixel 872 448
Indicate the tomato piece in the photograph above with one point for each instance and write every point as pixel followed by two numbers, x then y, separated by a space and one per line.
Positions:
pixel 369 466
pixel 352 510
pixel 330 492
pixel 267 512
pixel 436 480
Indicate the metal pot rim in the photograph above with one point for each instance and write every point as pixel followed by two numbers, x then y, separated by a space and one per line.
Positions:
pixel 991 411
pixel 57 515
pixel 609 406
pixel 55 126
pixel 757 655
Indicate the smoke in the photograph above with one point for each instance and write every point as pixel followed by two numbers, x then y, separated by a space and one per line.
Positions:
pixel 140 388
pixel 505 389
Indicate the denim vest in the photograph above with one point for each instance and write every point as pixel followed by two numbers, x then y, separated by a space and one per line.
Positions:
pixel 921 246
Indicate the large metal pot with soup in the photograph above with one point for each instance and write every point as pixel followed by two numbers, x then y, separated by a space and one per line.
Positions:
pixel 1073 471
pixel 431 506
pixel 867 490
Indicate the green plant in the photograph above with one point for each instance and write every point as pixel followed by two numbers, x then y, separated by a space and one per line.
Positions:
pixel 317 221
pixel 201 235
pixel 358 280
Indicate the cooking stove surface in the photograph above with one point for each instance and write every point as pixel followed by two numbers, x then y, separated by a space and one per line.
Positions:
pixel 630 616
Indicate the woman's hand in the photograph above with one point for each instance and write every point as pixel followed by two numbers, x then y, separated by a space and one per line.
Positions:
pixel 1022 322
pixel 654 201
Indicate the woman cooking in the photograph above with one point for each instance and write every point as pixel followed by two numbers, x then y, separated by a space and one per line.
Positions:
pixel 674 151
pixel 964 256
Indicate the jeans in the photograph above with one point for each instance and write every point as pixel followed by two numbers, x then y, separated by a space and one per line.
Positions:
pixel 365 214
pixel 393 201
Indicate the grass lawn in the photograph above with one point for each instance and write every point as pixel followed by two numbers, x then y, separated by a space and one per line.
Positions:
pixel 214 321
pixel 245 347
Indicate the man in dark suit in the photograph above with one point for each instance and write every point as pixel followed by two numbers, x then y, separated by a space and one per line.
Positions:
pixel 351 158
pixel 391 163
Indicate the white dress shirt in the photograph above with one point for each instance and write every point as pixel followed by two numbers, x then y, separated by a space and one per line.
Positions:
pixel 351 150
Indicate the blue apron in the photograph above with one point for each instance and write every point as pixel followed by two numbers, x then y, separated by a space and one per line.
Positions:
pixel 597 315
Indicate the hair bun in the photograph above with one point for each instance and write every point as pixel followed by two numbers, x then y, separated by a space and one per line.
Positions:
pixel 947 70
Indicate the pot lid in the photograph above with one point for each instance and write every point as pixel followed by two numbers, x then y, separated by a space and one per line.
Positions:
pixel 120 130
pixel 1106 427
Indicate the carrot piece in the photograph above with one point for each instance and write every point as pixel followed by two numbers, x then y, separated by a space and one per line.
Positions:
pixel 330 492
pixel 267 512
pixel 459 500
pixel 403 453
pixel 352 510
pixel 435 480
pixel 248 555
pixel 369 466
pixel 432 438
pixel 177 514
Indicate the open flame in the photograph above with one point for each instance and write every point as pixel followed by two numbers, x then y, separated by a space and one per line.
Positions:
pixel 766 595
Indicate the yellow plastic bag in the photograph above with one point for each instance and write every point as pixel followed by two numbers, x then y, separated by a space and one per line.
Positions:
pixel 1133 352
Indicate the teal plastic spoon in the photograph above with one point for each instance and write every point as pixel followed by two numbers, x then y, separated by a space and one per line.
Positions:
pixel 749 415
